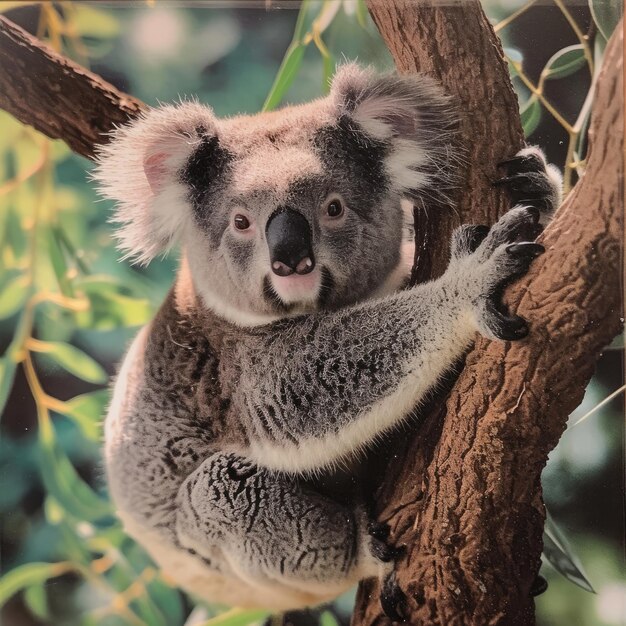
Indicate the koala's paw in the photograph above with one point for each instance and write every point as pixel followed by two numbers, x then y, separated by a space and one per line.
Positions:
pixel 393 600
pixel 531 180
pixel 485 262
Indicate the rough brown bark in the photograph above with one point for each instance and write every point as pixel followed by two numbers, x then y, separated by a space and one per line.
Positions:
pixel 55 95
pixel 465 495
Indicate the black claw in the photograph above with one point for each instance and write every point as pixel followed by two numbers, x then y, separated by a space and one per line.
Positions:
pixel 526 249
pixel 384 552
pixel 381 550
pixel 539 586
pixel 504 326
pixel 518 327
pixel 535 231
pixel 527 181
pixel 397 552
pixel 517 183
pixel 535 212
pixel 512 328
pixel 477 236
pixel 500 182
pixel 378 530
pixel 393 600
pixel 521 164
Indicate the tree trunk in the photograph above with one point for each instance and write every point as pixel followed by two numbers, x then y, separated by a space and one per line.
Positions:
pixel 464 495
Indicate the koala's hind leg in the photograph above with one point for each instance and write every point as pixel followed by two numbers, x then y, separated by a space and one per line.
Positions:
pixel 274 534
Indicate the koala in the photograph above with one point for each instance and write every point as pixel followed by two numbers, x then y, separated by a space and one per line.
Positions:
pixel 289 343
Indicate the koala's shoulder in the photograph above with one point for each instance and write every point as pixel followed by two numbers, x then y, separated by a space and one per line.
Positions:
pixel 186 361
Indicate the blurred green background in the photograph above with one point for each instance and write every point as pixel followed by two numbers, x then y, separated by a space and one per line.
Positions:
pixel 68 306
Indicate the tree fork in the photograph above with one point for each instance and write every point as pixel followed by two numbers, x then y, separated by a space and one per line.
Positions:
pixel 464 495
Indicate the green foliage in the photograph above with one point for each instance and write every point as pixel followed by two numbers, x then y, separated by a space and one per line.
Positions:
pixel 560 555
pixel 13 294
pixel 530 114
pixel 28 576
pixel 302 37
pixel 565 62
pixel 73 360
pixel 562 64
pixel 606 15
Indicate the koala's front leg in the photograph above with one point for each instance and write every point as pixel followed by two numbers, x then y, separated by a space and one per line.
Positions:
pixel 314 389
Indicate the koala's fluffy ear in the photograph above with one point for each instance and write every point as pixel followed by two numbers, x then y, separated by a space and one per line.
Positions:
pixel 141 170
pixel 413 117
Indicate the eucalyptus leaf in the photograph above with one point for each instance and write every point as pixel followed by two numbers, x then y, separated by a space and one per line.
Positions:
pixel 514 54
pixel 328 619
pixel 92 22
pixel 606 14
pixel 362 14
pixel 599 46
pixel 26 575
pixel 111 310
pixel 63 482
pixel 169 601
pixel 285 76
pixel 559 554
pixel 530 115
pixel 36 600
pixel 59 265
pixel 13 294
pixel 74 361
pixel 327 14
pixel 87 411
pixel 7 374
pixel 565 62
pixel 237 617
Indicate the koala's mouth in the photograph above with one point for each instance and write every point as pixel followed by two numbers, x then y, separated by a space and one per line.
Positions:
pixel 295 292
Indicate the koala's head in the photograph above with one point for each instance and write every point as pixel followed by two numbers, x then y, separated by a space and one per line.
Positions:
pixel 290 211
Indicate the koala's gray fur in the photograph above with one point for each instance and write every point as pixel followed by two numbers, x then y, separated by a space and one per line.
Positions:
pixel 246 382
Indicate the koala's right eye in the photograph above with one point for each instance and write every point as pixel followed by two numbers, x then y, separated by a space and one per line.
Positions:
pixel 241 222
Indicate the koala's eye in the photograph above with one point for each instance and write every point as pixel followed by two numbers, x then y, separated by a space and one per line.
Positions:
pixel 241 222
pixel 334 209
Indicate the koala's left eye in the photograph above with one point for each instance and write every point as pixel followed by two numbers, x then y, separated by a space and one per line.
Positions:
pixel 334 209
pixel 241 222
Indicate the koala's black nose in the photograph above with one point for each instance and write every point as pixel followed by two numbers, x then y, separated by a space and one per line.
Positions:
pixel 288 237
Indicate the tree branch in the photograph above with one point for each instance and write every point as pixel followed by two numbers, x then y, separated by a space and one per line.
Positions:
pixel 465 495
pixel 58 97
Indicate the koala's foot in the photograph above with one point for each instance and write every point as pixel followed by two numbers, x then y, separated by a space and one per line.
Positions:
pixel 504 254
pixel 531 180
pixel 393 600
